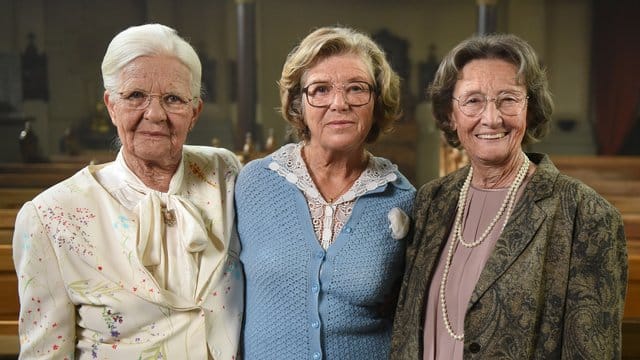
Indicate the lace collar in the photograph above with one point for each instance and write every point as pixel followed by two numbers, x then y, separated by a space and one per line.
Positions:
pixel 288 163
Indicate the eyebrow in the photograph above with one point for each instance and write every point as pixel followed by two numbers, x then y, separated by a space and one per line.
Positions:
pixel 348 81
pixel 504 91
pixel 170 92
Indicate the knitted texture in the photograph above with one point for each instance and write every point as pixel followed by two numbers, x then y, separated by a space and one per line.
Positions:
pixel 303 302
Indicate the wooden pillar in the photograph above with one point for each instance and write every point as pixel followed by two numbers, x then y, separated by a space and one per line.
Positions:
pixel 487 16
pixel 246 74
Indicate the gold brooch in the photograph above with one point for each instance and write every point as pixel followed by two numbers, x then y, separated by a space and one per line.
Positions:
pixel 169 216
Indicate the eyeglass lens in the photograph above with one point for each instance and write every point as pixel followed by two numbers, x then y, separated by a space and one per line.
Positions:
pixel 322 94
pixel 139 100
pixel 506 104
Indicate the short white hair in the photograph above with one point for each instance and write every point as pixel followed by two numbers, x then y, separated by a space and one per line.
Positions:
pixel 148 40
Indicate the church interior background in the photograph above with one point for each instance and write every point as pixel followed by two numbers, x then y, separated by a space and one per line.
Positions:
pixel 51 108
pixel 50 54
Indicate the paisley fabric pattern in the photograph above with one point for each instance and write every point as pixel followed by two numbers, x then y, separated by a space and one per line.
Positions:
pixel 553 288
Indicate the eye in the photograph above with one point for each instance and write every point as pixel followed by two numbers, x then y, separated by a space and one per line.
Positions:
pixel 318 89
pixel 473 100
pixel 509 99
pixel 173 99
pixel 135 95
pixel 357 87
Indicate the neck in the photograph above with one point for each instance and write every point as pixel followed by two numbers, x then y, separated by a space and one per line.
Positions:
pixel 334 164
pixel 486 176
pixel 334 173
pixel 154 175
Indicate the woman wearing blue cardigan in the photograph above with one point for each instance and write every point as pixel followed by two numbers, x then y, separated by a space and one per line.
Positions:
pixel 322 222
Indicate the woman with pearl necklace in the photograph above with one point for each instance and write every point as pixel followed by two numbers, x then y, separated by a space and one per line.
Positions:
pixel 510 258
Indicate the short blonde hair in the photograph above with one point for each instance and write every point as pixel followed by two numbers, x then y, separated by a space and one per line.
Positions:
pixel 336 40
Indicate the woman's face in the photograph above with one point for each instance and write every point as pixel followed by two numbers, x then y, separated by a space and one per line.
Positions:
pixel 153 134
pixel 490 138
pixel 338 126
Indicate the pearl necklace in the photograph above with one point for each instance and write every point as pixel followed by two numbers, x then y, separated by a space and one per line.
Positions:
pixel 507 204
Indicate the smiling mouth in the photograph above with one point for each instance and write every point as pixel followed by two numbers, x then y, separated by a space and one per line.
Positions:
pixel 491 136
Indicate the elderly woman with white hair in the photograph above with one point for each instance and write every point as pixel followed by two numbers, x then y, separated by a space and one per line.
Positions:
pixel 136 258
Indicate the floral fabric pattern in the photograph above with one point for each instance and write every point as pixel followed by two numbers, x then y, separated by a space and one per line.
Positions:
pixel 85 293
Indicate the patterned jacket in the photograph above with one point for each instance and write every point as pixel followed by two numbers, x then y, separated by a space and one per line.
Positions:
pixel 553 288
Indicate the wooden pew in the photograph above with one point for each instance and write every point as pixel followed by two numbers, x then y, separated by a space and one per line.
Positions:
pixel 609 188
pixel 632 226
pixel 19 183
pixel 7 221
pixel 8 280
pixel 617 179
pixel 599 167
pixel 9 285
pixel 12 198
pixel 625 204
pixel 632 302
pixel 30 180
pixel 40 168
pixel 631 321
pixel 9 294
pixel 632 231
pixel 35 175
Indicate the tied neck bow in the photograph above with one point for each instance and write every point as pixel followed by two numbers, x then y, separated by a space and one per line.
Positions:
pixel 191 228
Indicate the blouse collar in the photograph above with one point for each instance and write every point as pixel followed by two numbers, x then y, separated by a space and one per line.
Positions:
pixel 157 209
pixel 288 163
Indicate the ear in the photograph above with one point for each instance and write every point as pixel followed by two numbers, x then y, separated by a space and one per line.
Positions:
pixel 196 114
pixel 110 103
pixel 453 123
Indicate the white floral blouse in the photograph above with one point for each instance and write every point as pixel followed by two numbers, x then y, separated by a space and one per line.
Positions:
pixel 104 275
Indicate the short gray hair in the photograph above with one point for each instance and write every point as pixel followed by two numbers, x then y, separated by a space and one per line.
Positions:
pixel 507 47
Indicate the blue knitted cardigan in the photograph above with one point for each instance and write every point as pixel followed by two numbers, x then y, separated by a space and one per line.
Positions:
pixel 303 302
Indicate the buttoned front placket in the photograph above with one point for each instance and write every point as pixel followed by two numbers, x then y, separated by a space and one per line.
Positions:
pixel 318 259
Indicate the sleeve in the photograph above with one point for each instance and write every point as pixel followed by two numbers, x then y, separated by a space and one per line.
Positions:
pixel 47 316
pixel 597 282
pixel 408 309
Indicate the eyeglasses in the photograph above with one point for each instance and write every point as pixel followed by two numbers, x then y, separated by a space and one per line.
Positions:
pixel 508 104
pixel 171 103
pixel 321 94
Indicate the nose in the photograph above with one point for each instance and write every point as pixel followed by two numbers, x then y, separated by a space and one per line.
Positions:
pixel 339 99
pixel 155 111
pixel 491 115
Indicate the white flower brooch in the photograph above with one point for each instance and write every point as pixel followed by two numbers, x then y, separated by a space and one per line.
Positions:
pixel 399 223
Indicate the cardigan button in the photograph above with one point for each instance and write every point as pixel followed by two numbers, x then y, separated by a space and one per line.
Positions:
pixel 316 355
pixel 474 347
